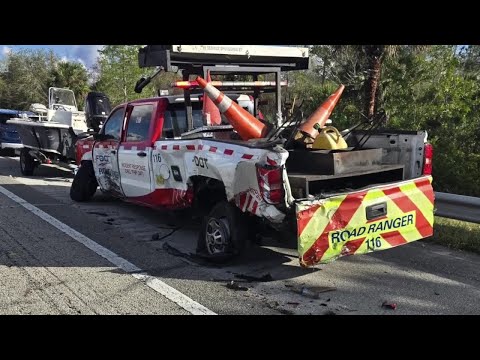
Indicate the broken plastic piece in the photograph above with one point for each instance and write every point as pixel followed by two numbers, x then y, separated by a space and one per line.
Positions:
pixel 314 291
pixel 234 286
pixel 389 305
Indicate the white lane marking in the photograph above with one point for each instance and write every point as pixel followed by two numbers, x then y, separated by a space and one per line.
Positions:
pixel 156 284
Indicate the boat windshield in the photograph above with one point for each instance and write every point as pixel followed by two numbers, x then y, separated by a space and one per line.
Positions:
pixel 63 97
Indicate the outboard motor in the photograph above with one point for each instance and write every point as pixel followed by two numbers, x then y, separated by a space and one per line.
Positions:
pixel 97 109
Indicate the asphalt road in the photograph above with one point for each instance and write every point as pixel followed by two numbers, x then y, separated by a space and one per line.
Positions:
pixel 110 257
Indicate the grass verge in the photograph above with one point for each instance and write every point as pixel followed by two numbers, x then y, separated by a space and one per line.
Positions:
pixel 455 234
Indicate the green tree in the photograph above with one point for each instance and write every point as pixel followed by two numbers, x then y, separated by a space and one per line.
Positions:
pixel 432 92
pixel 26 79
pixel 74 76
pixel 118 72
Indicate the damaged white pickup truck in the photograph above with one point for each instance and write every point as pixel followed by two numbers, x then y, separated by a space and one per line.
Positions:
pixel 372 193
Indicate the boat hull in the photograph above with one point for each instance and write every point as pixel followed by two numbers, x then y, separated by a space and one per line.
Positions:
pixel 46 136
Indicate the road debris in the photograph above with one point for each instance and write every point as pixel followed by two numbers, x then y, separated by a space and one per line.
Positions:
pixel 389 305
pixel 234 286
pixel 342 307
pixel 313 292
pixel 225 280
pixel 265 278
pixel 157 237
pixel 97 213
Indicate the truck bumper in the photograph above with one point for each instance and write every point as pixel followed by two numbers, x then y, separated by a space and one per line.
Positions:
pixel 364 221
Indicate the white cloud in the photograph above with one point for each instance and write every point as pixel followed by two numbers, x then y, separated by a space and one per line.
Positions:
pixel 86 53
pixel 71 59
pixel 6 50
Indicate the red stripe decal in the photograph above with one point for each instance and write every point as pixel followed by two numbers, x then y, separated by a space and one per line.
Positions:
pixel 352 246
pixel 213 149
pixel 190 147
pixel 406 205
pixel 339 220
pixel 304 216
pixel 241 200
pixel 247 156
pixel 425 187
pixel 164 147
pixel 254 208
pixel 200 147
pixel 176 147
pixel 228 152
pixel 394 238
pixel 271 162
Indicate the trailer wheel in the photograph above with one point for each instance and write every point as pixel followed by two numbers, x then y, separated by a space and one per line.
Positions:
pixel 84 183
pixel 224 233
pixel 27 162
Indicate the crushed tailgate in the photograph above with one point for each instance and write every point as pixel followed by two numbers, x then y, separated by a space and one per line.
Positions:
pixel 364 221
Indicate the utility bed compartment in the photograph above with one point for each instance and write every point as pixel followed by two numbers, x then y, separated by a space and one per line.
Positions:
pixel 303 185
pixel 332 162
pixel 319 172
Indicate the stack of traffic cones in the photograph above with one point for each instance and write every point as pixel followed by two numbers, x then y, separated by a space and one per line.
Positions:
pixel 246 125
pixel 308 131
pixel 211 113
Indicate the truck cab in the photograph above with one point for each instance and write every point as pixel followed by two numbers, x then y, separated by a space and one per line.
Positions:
pixel 128 146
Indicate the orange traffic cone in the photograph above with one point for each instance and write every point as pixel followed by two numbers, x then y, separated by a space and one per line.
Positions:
pixel 210 111
pixel 319 116
pixel 247 126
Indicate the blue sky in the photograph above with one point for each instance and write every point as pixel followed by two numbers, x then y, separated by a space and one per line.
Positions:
pixel 86 54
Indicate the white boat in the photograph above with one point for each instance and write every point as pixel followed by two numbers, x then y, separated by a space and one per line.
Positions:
pixel 55 128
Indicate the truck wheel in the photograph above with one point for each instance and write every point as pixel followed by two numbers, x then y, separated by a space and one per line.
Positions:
pixel 84 183
pixel 27 162
pixel 224 233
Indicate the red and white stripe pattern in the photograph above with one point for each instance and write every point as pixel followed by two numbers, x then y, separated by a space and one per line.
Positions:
pixel 101 146
pixel 206 148
pixel 247 202
pixel 134 147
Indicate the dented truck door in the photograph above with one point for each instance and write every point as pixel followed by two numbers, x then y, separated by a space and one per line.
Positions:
pixel 105 153
pixel 135 151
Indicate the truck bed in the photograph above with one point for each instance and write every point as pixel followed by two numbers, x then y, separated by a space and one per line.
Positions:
pixel 305 185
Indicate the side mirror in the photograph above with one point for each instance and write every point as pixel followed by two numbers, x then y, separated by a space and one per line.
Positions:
pixel 145 81
pixel 141 84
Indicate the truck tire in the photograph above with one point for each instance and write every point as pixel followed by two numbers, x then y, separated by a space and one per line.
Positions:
pixel 27 162
pixel 223 234
pixel 84 184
